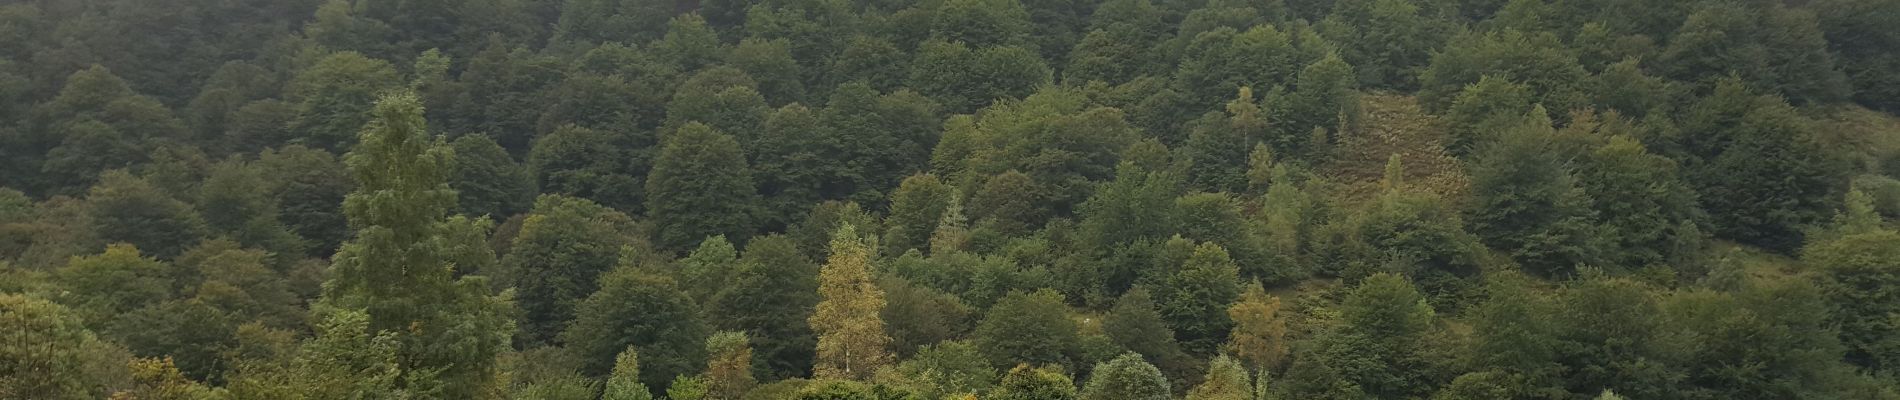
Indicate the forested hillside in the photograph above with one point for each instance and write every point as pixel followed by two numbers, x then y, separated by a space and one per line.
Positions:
pixel 949 199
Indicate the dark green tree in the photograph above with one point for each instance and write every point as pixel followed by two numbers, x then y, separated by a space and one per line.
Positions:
pixel 308 185
pixel 1194 298
pixel 1527 204
pixel 635 307
pixel 487 181
pixel 1028 328
pixel 965 79
pixel 982 23
pixel 1757 167
pixel 591 164
pixel 1537 61
pixel 1648 214
pixel 1380 343
pixel 1386 41
pixel 770 296
pixel 1858 272
pixel 1216 151
pixel 128 209
pixel 1134 324
pixel 556 260
pixel 334 98
pixel 700 187
pixel 1775 49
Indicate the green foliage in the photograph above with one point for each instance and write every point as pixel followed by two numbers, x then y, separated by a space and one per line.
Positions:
pixel 1853 33
pixel 1857 271
pixel 128 209
pixel 770 296
pixel 948 368
pixel 51 355
pixel 1379 346
pixel 1028 328
pixel 1581 199
pixel 1216 151
pixel 1386 41
pixel 916 207
pixel 1030 383
pixel 487 181
pixel 590 164
pixel 1527 204
pixel 96 123
pixel 308 186
pixel 1646 210
pixel 728 365
pixel 114 282
pixel 1194 298
pixel 689 43
pixel 1537 61
pixel 1057 137
pixel 335 96
pixel 401 267
pixel 981 23
pixel 1126 377
pixel 556 259
pixel 635 308
pixel 964 80
pixel 344 360
pixel 852 343
pixel 1217 63
pixel 917 316
pixel 687 388
pixel 624 382
pixel 699 188
pixel 1757 167
pixel 1775 49
pixel 1134 324
pixel 1226 380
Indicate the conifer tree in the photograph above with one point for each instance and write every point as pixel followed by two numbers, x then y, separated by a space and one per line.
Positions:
pixel 401 268
pixel 851 339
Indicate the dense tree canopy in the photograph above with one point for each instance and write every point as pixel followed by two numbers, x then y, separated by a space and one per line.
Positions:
pixel 949 199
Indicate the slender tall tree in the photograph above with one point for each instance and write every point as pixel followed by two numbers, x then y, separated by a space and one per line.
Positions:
pixel 401 267
pixel 851 339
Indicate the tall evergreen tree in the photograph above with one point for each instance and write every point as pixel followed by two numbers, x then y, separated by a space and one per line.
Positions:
pixel 401 268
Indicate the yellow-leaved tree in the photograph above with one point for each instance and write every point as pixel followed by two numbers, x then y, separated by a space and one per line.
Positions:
pixel 851 340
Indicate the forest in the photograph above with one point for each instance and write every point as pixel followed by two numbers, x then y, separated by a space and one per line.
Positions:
pixel 949 199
